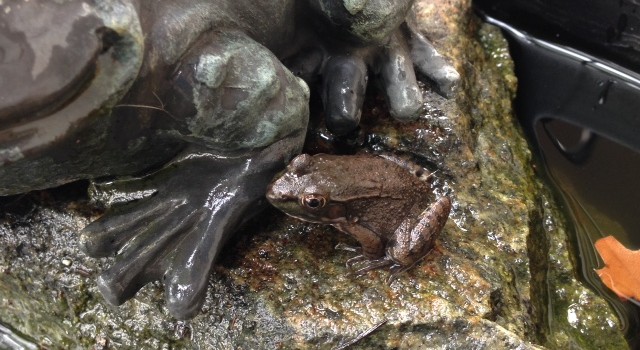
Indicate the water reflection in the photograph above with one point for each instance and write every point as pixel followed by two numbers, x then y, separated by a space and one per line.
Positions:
pixel 598 181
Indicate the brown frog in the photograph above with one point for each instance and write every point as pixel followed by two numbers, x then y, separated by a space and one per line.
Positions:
pixel 383 201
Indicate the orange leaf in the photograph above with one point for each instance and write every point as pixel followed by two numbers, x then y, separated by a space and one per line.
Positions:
pixel 621 272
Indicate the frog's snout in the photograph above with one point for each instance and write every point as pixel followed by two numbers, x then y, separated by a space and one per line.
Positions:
pixel 271 196
pixel 275 194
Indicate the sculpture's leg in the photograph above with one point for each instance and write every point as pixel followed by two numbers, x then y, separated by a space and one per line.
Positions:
pixel 250 120
pixel 45 97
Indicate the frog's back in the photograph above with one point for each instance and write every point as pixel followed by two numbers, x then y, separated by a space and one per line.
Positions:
pixel 379 192
pixel 372 173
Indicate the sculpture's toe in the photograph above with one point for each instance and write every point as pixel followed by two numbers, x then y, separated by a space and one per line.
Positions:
pixel 105 236
pixel 187 276
pixel 399 79
pixel 447 79
pixel 185 297
pixel 344 87
pixel 433 65
pixel 118 285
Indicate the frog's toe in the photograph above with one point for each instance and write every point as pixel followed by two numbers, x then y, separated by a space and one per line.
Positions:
pixel 349 248
pixel 395 271
pixel 355 260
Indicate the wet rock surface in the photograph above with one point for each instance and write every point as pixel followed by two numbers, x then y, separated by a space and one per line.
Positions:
pixel 501 276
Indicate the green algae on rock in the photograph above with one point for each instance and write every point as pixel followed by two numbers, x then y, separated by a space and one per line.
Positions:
pixel 501 276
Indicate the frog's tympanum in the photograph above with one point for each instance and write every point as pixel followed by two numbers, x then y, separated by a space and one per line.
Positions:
pixel 382 201
pixel 189 107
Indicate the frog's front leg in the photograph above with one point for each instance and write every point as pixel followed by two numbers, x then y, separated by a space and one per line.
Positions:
pixel 372 245
pixel 413 240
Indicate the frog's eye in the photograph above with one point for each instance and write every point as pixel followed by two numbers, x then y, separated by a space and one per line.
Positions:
pixel 313 201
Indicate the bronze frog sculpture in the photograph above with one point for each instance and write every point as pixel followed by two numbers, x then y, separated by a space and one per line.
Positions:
pixel 185 109
pixel 382 201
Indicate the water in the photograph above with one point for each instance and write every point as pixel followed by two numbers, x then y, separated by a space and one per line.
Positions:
pixel 9 340
pixel 582 115
pixel 597 180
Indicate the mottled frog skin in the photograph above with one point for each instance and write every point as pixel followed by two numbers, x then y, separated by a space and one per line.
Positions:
pixel 191 106
pixel 383 201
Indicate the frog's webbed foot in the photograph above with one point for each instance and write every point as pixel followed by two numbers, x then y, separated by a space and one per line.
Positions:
pixel 178 224
pixel 361 264
pixel 354 260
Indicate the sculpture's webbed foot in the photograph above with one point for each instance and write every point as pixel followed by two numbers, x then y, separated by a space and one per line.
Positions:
pixel 172 234
pixel 177 227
